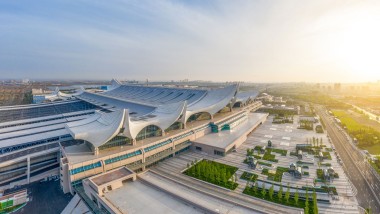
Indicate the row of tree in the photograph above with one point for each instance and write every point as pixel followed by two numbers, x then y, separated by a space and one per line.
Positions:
pixel 284 198
pixel 213 172
pixel 315 142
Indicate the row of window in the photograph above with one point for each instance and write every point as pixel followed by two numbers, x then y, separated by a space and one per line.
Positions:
pixel 45 120
pixel 147 149
pixel 85 168
pixel 231 119
pixel 202 128
pixel 25 145
pixel 122 157
pixel 183 136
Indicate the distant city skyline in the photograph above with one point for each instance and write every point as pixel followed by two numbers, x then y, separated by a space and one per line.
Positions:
pixel 251 41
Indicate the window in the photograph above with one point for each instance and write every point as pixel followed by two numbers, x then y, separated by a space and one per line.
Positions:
pixel 198 148
pixel 216 152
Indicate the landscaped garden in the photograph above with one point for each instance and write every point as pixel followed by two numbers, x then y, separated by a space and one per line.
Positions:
pixel 213 172
pixel 284 198
pixel 320 174
pixel 249 176
pixel 263 163
pixel 326 155
pixel 268 156
pixel 282 152
pixel 277 176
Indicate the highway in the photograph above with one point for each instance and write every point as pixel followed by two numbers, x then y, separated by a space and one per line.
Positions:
pixel 360 173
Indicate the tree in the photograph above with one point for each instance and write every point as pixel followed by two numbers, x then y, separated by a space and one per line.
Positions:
pixel 315 205
pixel 263 190
pixel 306 202
pixel 279 194
pixel 271 191
pixel 287 194
pixel 224 178
pixel 256 187
pixel 296 196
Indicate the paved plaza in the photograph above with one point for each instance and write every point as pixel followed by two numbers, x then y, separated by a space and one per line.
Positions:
pixel 282 136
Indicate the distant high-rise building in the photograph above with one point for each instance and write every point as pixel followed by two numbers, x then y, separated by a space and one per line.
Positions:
pixel 337 86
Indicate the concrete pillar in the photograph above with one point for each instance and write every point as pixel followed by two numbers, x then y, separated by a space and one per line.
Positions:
pixel 163 133
pixel 134 142
pixel 28 170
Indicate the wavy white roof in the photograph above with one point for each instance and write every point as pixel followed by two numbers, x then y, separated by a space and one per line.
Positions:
pixel 135 107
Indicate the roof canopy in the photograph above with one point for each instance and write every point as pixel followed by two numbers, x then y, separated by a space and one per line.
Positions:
pixel 135 107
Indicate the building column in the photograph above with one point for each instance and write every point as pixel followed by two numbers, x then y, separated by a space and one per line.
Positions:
pixel 133 142
pixel 28 170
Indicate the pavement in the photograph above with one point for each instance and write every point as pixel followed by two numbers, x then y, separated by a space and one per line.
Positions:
pixel 45 197
pixel 356 167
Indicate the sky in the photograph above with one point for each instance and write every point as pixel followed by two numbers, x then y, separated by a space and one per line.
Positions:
pixel 252 41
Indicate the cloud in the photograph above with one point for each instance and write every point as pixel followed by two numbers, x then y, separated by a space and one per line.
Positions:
pixel 163 40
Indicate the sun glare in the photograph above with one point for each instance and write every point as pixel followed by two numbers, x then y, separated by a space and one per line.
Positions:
pixel 358 46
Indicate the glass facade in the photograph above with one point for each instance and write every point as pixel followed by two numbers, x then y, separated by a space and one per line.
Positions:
pixel 116 141
pixel 122 157
pixel 85 168
pixel 147 149
pixel 199 116
pixel 149 131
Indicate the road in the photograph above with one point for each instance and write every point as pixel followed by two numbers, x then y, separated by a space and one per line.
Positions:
pixel 356 167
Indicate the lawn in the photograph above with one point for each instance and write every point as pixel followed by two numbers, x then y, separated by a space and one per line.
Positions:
pixel 249 176
pixel 213 172
pixel 374 149
pixel 268 156
pixel 263 163
pixel 282 152
pixel 363 129
pixel 275 176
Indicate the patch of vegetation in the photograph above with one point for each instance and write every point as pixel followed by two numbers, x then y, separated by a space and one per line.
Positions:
pixel 282 152
pixel 319 129
pixel 326 155
pixel 305 167
pixel 303 162
pixel 268 156
pixel 265 171
pixel 249 176
pixel 293 154
pixel 330 189
pixel 306 124
pixel 213 172
pixel 325 164
pixel 336 175
pixel 320 175
pixel 366 135
pixel 287 198
pixel 275 176
pixel 263 163
pixel 10 209
pixel 258 148
pixel 279 119
pixel 305 173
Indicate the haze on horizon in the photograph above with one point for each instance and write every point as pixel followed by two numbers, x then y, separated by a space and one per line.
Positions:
pixel 257 41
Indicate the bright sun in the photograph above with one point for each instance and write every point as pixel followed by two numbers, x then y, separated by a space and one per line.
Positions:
pixel 358 46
